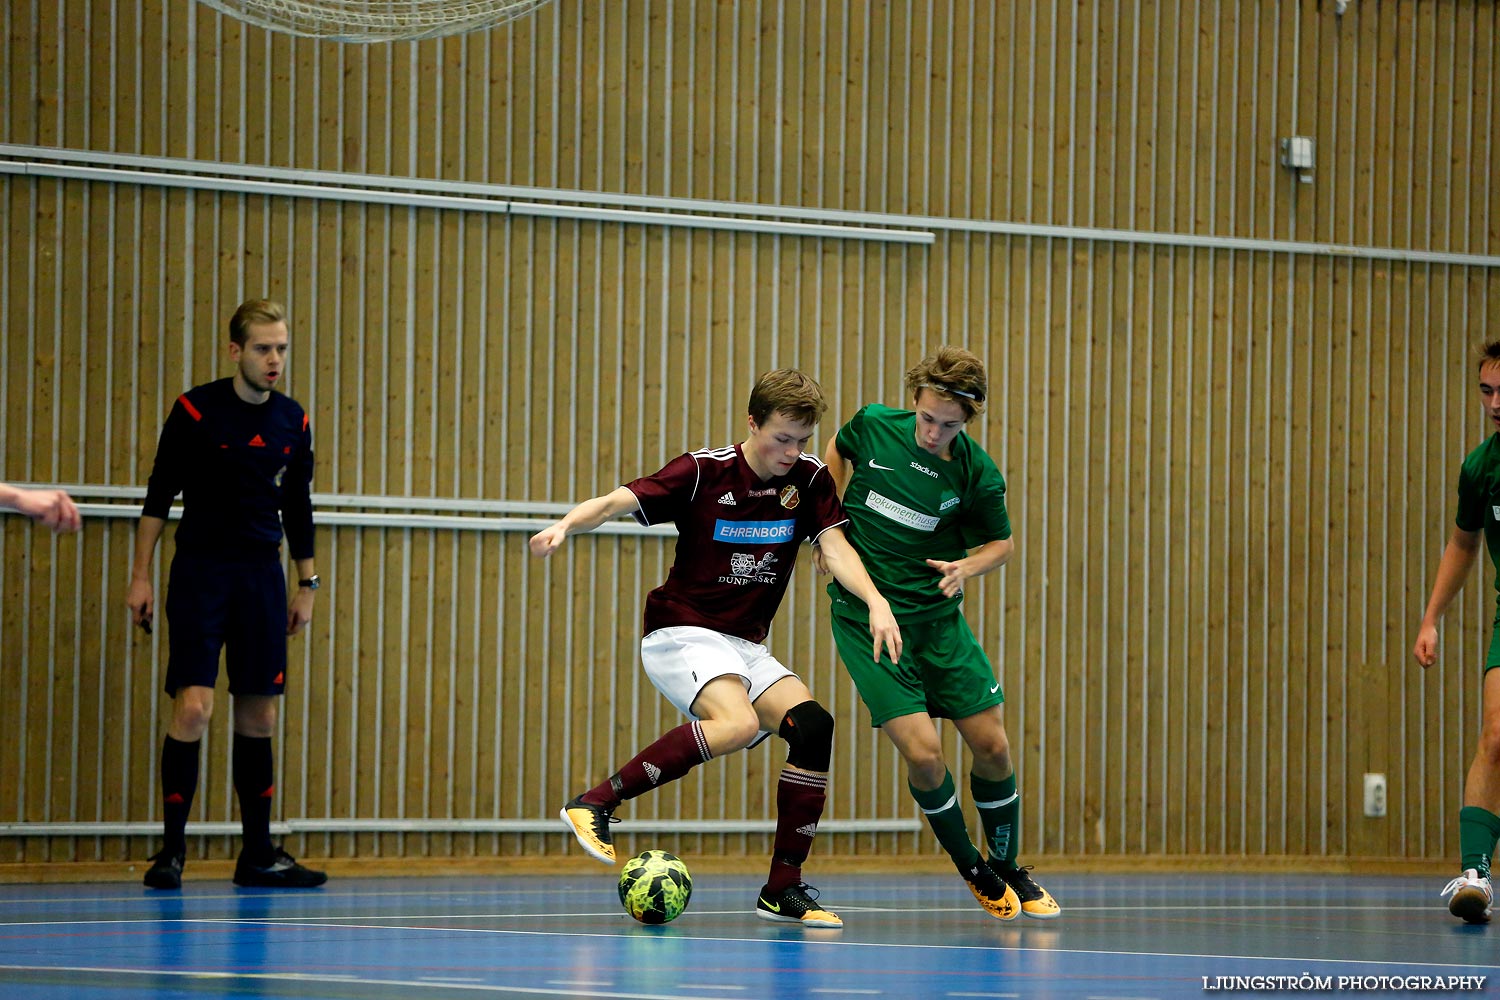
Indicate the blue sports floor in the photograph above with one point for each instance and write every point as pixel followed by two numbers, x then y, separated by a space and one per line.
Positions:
pixel 541 936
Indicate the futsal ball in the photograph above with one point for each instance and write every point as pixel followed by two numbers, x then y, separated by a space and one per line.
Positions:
pixel 655 887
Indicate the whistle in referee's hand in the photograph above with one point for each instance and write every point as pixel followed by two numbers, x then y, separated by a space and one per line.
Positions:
pixel 145 624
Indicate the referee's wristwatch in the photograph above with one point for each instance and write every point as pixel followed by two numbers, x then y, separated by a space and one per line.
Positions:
pixel 311 583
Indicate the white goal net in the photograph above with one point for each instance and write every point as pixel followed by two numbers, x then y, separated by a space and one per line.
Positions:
pixel 376 20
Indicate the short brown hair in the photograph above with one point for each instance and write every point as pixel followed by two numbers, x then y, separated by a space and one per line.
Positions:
pixel 1488 354
pixel 787 391
pixel 953 373
pixel 257 312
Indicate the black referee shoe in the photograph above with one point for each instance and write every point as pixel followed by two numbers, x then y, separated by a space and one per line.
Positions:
pixel 281 872
pixel 166 870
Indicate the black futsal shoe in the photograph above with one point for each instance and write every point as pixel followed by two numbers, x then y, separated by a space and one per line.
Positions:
pixel 165 871
pixel 281 872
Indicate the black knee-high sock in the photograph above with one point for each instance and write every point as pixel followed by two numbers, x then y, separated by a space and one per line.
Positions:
pixel 179 780
pixel 254 777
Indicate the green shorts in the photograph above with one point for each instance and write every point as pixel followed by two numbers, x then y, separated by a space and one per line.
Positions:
pixel 1493 660
pixel 943 670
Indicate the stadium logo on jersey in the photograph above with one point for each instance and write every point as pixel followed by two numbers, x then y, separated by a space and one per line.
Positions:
pixel 728 498
pixel 790 498
pixel 900 513
pixel 754 532
pixel 924 469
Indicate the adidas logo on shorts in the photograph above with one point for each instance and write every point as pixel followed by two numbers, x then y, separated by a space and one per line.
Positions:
pixel 652 771
pixel 728 498
pixel 808 830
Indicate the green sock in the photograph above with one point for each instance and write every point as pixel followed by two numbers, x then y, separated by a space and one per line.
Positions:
pixel 1478 829
pixel 1000 812
pixel 947 820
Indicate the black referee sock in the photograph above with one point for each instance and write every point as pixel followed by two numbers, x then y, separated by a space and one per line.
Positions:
pixel 254 775
pixel 179 780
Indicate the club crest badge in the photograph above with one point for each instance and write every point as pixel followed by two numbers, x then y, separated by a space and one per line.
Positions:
pixel 790 498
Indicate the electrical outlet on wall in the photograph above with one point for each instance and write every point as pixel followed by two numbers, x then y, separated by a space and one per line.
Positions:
pixel 1374 794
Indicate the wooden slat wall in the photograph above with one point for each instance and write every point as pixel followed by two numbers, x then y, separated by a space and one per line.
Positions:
pixel 1231 471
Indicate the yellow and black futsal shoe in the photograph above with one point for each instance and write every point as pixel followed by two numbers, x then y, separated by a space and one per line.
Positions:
pixel 994 894
pixel 1471 897
pixel 1035 901
pixel 590 824
pixel 796 904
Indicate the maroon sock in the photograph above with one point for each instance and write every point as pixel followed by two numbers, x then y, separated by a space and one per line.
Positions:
pixel 676 753
pixel 799 805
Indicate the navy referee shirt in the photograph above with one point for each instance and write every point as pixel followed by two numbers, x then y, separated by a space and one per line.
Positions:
pixel 244 471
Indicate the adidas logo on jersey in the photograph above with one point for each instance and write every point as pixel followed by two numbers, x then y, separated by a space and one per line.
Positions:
pixel 652 771
pixel 728 498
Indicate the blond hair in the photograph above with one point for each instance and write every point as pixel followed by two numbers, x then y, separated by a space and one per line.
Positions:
pixel 787 391
pixel 257 312
pixel 954 374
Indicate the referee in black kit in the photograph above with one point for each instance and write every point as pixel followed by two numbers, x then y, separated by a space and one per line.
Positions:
pixel 241 456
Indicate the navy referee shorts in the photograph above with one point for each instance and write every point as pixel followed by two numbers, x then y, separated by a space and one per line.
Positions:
pixel 238 602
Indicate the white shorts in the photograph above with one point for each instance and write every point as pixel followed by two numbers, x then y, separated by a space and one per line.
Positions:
pixel 682 659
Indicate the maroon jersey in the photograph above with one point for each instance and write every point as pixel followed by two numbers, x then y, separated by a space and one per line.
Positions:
pixel 737 537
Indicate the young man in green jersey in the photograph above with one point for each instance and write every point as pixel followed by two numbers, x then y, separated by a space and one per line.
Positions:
pixel 926 510
pixel 1478 518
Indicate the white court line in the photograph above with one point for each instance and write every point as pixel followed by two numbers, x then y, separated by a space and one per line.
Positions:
pixel 828 942
pixel 707 986
pixel 316 918
pixel 575 914
pixel 821 941
pixel 998 996
pixel 155 896
pixel 868 993
pixel 294 920
pixel 457 897
pixel 467 892
pixel 451 979
pixel 302 977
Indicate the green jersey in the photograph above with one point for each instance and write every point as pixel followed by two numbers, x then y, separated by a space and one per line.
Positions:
pixel 906 505
pixel 1479 497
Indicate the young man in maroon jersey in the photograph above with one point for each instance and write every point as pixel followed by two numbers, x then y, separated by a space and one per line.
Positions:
pixel 740 513
pixel 50 508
